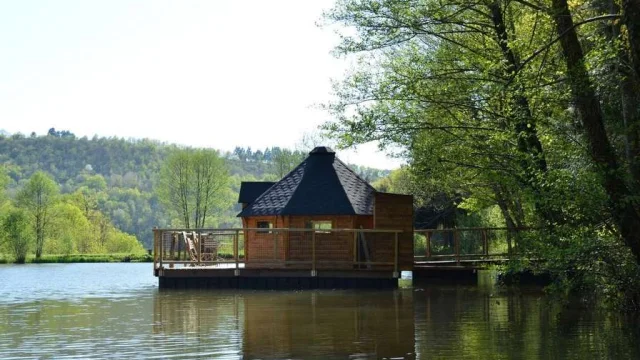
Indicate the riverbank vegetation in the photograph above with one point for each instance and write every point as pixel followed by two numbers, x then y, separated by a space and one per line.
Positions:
pixel 40 220
pixel 107 193
pixel 529 110
pixel 81 258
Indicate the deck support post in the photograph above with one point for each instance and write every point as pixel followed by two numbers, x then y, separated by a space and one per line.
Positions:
pixel 428 247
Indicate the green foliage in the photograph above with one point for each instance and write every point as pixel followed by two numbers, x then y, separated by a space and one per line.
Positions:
pixel 192 186
pixel 477 98
pixel 108 187
pixel 15 227
pixel 37 197
pixel 69 230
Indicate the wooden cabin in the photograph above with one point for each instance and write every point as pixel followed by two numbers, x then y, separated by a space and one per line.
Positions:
pixel 332 203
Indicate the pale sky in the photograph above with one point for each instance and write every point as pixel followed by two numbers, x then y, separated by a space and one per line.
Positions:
pixel 208 73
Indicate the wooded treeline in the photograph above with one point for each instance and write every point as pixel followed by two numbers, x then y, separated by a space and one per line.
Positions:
pixel 529 108
pixel 121 178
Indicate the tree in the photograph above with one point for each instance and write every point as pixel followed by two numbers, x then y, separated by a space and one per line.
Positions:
pixel 514 106
pixel 16 233
pixel 285 160
pixel 4 182
pixel 624 205
pixel 37 198
pixel 69 230
pixel 191 185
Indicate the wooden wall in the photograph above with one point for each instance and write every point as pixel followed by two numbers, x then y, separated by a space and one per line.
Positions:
pixel 391 212
pixel 336 246
pixel 259 246
pixel 395 212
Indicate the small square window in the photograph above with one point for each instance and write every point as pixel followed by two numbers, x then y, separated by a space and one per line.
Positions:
pixel 321 225
pixel 264 225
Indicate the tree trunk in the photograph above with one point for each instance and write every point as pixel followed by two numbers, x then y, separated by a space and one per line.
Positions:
pixel 631 19
pixel 529 145
pixel 602 153
pixel 526 132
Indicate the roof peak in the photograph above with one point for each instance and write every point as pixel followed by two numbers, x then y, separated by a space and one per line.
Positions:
pixel 322 150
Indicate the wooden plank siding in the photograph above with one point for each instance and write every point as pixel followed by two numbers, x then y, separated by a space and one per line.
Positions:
pixel 395 211
pixel 259 246
pixel 337 249
pixel 336 246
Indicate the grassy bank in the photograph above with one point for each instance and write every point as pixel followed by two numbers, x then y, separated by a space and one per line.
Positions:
pixel 82 258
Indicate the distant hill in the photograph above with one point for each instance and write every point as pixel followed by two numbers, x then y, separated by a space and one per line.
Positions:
pixel 125 173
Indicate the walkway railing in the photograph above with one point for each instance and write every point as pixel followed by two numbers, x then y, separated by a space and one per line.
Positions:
pixel 467 244
pixel 309 249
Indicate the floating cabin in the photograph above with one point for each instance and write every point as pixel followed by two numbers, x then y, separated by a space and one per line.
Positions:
pixel 323 194
pixel 321 225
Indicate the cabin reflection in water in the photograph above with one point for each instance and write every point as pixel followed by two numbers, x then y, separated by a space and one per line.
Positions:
pixel 294 324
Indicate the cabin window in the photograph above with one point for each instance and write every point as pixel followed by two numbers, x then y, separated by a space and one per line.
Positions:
pixel 264 225
pixel 322 226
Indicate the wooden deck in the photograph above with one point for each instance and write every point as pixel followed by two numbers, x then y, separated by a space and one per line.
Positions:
pixel 215 258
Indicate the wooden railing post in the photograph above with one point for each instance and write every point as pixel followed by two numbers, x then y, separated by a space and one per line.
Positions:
pixel 509 243
pixel 235 248
pixel 155 248
pixel 160 252
pixel 428 249
pixel 197 239
pixel 456 239
pixel 275 245
pixel 313 253
pixel 355 246
pixel 485 243
pixel 395 257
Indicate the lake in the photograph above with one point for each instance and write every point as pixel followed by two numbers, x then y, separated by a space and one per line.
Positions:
pixel 117 311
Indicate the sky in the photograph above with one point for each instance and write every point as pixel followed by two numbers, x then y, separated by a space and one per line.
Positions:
pixel 209 73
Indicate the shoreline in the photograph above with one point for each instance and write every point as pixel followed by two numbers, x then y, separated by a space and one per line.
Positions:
pixel 82 258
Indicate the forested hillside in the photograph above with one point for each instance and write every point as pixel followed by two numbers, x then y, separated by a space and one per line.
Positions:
pixel 124 173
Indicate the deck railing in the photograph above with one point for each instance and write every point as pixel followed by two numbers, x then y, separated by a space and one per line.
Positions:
pixel 309 249
pixel 489 243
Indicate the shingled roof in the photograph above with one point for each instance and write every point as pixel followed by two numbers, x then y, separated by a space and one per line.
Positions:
pixel 250 190
pixel 320 185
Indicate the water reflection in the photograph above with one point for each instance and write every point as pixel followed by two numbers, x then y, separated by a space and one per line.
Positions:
pixel 305 324
pixel 465 322
pixel 120 318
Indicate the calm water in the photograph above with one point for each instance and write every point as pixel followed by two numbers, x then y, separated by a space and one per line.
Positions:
pixel 116 311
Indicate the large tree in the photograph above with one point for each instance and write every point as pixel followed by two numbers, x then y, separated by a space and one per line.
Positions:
pixel 530 106
pixel 37 198
pixel 193 184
